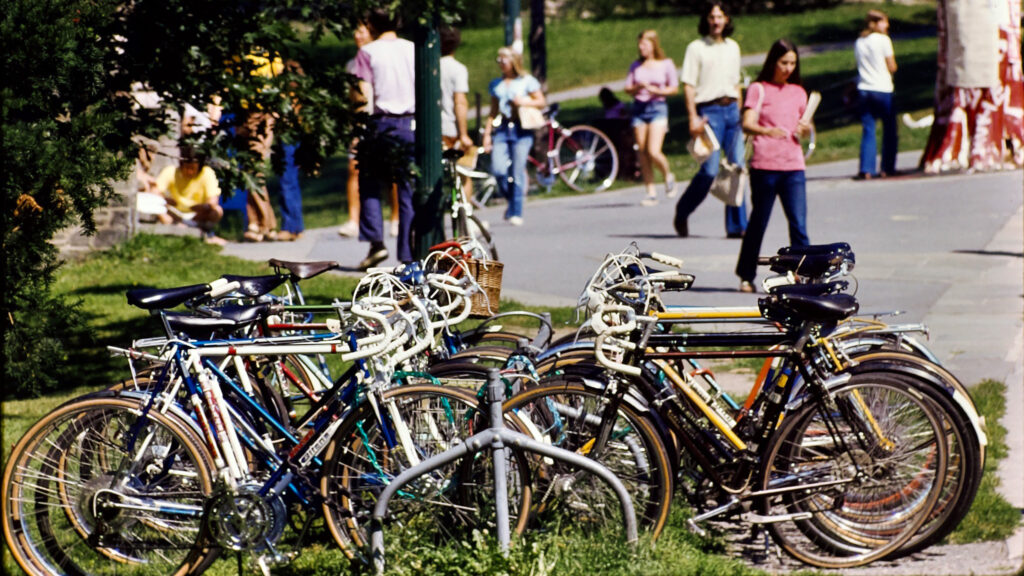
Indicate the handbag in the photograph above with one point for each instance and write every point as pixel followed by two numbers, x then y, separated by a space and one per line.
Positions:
pixel 730 182
pixel 530 118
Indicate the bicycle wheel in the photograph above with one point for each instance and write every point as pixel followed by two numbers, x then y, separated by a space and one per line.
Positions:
pixel 853 480
pixel 364 456
pixel 966 459
pixel 570 414
pixel 586 159
pixel 92 489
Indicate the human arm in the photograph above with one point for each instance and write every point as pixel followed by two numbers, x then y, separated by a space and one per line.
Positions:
pixel 489 126
pixel 696 122
pixel 461 123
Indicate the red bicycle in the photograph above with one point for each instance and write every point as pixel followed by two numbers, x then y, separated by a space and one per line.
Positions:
pixel 582 156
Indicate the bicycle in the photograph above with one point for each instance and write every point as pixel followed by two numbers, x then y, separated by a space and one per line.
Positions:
pixel 582 156
pixel 466 228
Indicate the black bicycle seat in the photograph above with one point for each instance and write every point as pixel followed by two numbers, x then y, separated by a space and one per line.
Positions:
pixel 814 265
pixel 216 322
pixel 452 154
pixel 256 286
pixel 793 309
pixel 835 247
pixel 163 298
pixel 834 287
pixel 304 270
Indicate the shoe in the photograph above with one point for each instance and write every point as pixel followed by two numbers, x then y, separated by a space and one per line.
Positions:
pixel 863 176
pixel 374 257
pixel 682 228
pixel 286 236
pixel 670 186
pixel 747 287
pixel 394 228
pixel 349 229
pixel 252 236
pixel 734 234
pixel 651 200
pixel 515 220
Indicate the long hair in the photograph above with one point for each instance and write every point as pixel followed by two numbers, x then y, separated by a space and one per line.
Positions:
pixel 777 51
pixel 703 28
pixel 872 17
pixel 514 57
pixel 658 53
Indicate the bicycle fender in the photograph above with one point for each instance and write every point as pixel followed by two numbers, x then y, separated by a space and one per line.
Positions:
pixel 920 372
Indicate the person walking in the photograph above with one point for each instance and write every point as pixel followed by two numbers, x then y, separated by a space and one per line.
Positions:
pixel 651 80
pixel 455 103
pixel 773 116
pixel 361 35
pixel 386 70
pixel 712 88
pixel 876 63
pixel 508 142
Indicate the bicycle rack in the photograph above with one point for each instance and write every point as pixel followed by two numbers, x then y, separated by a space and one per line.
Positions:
pixel 495 438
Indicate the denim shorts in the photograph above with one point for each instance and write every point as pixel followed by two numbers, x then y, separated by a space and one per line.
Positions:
pixel 650 112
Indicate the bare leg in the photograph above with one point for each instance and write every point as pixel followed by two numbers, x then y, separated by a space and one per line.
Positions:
pixel 640 132
pixel 655 139
pixel 351 227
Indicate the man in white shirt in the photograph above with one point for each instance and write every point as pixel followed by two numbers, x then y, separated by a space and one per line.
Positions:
pixel 454 102
pixel 387 76
pixel 712 86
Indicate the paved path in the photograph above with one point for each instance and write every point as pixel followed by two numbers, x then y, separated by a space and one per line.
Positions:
pixel 947 250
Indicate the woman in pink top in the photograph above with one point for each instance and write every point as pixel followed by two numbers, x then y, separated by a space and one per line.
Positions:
pixel 652 77
pixel 772 115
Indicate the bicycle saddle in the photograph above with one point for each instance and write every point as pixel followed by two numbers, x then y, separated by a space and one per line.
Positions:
pixel 793 309
pixel 303 270
pixel 452 154
pixel 834 287
pixel 162 298
pixel 814 265
pixel 256 286
pixel 835 247
pixel 219 323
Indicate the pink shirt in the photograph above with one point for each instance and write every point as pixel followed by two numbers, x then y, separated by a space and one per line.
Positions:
pixel 388 66
pixel 664 74
pixel 780 106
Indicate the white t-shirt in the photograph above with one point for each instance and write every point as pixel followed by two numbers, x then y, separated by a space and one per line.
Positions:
pixel 454 79
pixel 872 71
pixel 712 68
pixel 388 65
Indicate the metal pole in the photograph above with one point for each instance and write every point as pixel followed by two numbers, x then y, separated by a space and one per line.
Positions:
pixel 428 225
pixel 538 44
pixel 513 25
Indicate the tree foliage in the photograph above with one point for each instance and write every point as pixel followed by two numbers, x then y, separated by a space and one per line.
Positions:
pixel 72 119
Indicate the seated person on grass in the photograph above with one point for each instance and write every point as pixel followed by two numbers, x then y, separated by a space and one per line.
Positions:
pixel 192 194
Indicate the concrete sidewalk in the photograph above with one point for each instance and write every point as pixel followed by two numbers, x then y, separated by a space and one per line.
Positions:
pixel 947 250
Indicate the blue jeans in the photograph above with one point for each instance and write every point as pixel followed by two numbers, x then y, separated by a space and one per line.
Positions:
pixel 510 149
pixel 875 106
pixel 725 122
pixel 765 185
pixel 371 190
pixel 291 193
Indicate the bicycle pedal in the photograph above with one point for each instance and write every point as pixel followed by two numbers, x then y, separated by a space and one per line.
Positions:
pixel 695 528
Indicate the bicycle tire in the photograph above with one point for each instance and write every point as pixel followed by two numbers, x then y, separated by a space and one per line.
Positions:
pixel 74 463
pixel 586 160
pixel 966 460
pixel 447 503
pixel 634 452
pixel 854 525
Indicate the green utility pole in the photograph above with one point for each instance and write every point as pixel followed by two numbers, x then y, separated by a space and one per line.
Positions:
pixel 428 226
pixel 513 25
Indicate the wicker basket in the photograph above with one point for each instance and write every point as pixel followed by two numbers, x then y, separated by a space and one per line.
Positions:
pixel 488 275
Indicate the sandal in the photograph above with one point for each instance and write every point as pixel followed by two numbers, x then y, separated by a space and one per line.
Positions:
pixel 252 236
